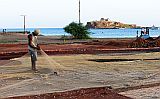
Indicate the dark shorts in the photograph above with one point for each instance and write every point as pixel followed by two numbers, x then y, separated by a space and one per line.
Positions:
pixel 33 55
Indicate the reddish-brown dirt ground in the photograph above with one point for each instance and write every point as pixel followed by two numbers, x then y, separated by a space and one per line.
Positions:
pixel 17 50
pixel 88 93
pixel 8 51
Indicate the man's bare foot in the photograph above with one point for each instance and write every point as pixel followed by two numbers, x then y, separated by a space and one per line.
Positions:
pixel 35 70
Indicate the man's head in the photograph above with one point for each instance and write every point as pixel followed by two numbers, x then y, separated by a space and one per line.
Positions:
pixel 36 32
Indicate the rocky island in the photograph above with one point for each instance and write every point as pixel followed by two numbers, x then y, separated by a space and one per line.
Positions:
pixel 108 24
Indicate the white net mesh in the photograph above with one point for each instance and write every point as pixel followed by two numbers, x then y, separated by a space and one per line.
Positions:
pixel 24 64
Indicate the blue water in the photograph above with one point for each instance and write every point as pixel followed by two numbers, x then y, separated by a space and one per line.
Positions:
pixel 95 33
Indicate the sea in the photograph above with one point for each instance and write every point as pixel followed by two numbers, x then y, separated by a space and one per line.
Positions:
pixel 94 33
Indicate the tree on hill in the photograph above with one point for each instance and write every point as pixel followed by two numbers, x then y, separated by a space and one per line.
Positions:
pixel 78 31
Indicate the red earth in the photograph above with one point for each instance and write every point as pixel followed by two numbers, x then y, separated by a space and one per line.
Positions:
pixel 8 51
pixel 85 93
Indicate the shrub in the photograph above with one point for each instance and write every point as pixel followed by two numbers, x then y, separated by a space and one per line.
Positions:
pixel 78 31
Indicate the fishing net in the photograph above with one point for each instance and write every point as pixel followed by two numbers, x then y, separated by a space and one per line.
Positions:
pixel 22 65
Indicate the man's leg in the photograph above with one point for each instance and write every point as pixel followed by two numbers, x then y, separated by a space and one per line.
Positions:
pixel 33 59
pixel 34 65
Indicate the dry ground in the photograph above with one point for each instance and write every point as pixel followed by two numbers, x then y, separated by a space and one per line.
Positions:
pixel 84 71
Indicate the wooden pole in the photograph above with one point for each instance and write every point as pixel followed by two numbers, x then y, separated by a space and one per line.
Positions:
pixel 24 22
pixel 79 13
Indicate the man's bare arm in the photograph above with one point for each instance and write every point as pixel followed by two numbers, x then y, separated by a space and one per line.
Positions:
pixel 30 42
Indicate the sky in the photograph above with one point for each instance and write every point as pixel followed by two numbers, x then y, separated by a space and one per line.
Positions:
pixel 59 13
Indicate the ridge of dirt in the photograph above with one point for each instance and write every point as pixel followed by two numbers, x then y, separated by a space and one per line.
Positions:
pixel 84 93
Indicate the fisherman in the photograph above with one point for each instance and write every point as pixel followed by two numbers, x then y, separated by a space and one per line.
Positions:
pixel 33 47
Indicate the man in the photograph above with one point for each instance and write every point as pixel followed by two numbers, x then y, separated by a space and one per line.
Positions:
pixel 33 47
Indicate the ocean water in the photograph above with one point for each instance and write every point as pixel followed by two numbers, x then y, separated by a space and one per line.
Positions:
pixel 95 33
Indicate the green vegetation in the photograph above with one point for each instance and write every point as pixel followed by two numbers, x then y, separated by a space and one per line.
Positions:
pixel 78 31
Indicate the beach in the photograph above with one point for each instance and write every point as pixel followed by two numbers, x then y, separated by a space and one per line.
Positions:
pixel 106 65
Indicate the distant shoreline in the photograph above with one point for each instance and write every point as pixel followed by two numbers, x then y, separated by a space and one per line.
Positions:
pixel 95 33
pixel 115 28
